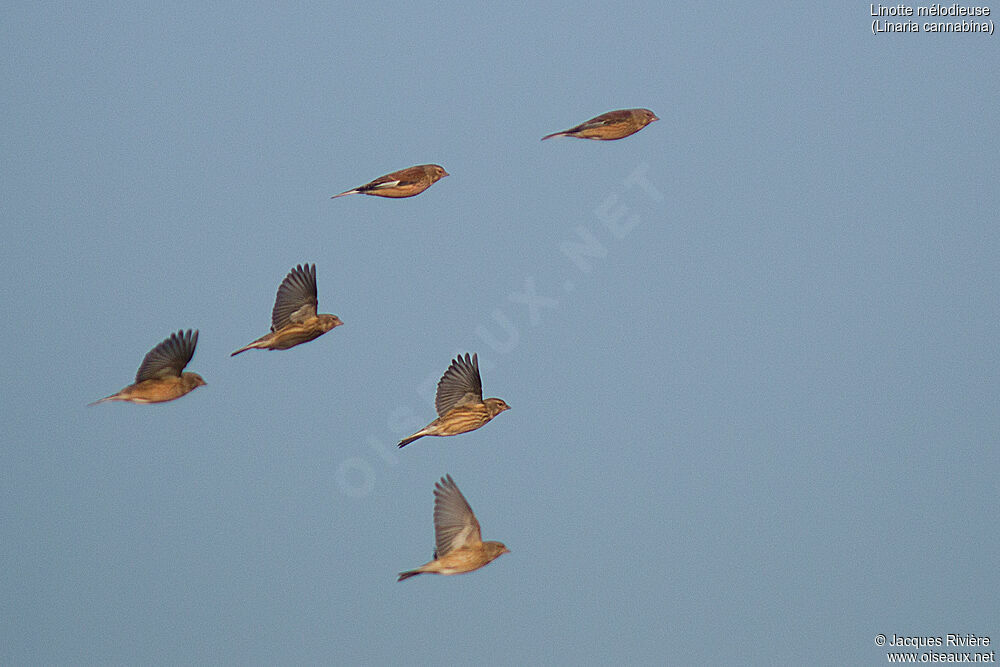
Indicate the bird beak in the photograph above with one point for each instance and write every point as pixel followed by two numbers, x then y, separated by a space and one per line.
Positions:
pixel 655 118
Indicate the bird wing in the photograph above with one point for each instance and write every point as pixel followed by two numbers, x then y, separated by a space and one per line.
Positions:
pixel 382 183
pixel 403 177
pixel 296 300
pixel 460 385
pixel 455 525
pixel 168 358
pixel 603 119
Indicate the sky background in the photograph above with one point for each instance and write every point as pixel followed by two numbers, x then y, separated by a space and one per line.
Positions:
pixel 751 351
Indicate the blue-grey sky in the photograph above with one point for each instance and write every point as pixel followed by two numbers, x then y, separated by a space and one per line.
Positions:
pixel 751 351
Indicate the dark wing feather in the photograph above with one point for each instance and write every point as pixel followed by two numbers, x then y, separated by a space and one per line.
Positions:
pixel 401 178
pixel 387 181
pixel 296 300
pixel 460 384
pixel 604 119
pixel 454 523
pixel 168 358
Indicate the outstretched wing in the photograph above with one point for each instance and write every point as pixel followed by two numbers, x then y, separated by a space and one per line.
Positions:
pixel 168 358
pixel 296 300
pixel 460 384
pixel 454 523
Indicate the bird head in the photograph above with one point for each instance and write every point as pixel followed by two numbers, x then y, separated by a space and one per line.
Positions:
pixel 328 322
pixel 495 549
pixel 495 406
pixel 192 380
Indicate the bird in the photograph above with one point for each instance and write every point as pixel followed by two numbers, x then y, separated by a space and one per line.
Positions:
pixel 407 182
pixel 294 320
pixel 459 402
pixel 609 126
pixel 160 378
pixel 458 544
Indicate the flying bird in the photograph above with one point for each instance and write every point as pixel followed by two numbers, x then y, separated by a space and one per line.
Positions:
pixel 459 402
pixel 160 378
pixel 610 125
pixel 403 183
pixel 459 546
pixel 294 320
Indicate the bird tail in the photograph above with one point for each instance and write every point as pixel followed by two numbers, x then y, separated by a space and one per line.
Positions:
pixel 101 400
pixel 243 349
pixel 408 574
pixel 405 441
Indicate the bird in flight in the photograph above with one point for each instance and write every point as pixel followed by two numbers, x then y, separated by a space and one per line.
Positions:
pixel 609 126
pixel 459 402
pixel 459 547
pixel 160 378
pixel 294 320
pixel 407 182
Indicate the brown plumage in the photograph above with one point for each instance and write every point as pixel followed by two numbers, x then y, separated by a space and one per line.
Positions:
pixel 459 402
pixel 403 183
pixel 160 378
pixel 458 544
pixel 294 320
pixel 609 126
